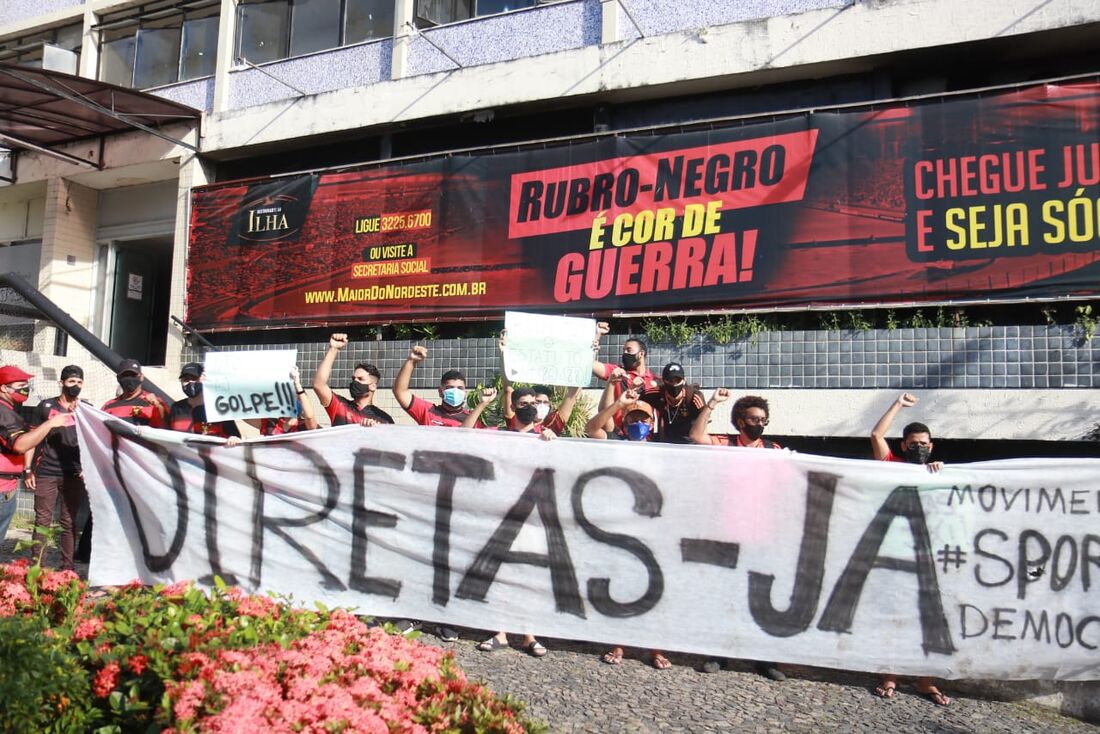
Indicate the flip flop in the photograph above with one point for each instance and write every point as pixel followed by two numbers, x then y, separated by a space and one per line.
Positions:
pixel 492 645
pixel 660 662
pixel 936 696
pixel 886 690
pixel 613 656
pixel 536 649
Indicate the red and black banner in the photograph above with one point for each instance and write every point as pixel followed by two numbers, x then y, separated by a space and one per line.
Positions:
pixel 954 199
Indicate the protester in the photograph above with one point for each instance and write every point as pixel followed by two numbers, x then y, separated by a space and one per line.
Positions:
pixel 916 448
pixel 526 421
pixel 637 423
pixel 302 420
pixel 633 362
pixel 134 404
pixel 749 416
pixel 362 388
pixel 677 405
pixel 17 439
pixel 189 415
pixel 56 468
pixel 452 391
pixel 546 416
pixel 524 410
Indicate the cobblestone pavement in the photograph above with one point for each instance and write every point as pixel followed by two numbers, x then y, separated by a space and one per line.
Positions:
pixel 572 691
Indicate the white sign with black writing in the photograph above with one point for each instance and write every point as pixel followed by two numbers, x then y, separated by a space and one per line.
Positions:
pixel 983 570
pixel 249 384
pixel 551 350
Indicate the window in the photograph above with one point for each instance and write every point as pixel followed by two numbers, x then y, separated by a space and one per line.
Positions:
pixel 367 19
pixel 275 29
pixel 158 43
pixel 36 49
pixel 438 12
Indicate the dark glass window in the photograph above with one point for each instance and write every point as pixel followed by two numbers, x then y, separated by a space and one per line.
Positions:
pixel 199 50
pixel 367 19
pixel 264 31
pixel 315 26
pixel 116 61
pixel 158 56
pixel 492 7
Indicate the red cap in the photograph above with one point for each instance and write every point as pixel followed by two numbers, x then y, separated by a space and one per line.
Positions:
pixel 9 373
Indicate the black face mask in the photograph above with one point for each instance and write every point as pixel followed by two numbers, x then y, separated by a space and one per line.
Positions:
pixel 674 390
pixel 71 391
pixel 753 431
pixel 192 389
pixel 630 361
pixel 527 414
pixel 917 454
pixel 358 389
pixel 129 383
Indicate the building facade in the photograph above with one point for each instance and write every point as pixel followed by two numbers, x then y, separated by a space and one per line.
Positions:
pixel 287 86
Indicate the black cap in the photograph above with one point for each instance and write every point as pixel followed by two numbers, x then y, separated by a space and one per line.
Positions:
pixel 192 369
pixel 129 365
pixel 72 371
pixel 673 370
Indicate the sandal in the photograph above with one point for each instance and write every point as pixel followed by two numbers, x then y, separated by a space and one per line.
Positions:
pixel 887 687
pixel 660 662
pixel 936 696
pixel 614 656
pixel 492 645
pixel 535 649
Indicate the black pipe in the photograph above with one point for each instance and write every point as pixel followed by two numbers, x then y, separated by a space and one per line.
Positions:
pixel 83 337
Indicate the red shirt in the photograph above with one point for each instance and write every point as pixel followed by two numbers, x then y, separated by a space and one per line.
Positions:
pixel 429 414
pixel 552 422
pixel 145 409
pixel 894 457
pixel 182 416
pixel 12 426
pixel 343 412
pixel 649 382
pixel 738 439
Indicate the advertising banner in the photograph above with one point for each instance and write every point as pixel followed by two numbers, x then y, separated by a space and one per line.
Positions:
pixel 980 571
pixel 952 199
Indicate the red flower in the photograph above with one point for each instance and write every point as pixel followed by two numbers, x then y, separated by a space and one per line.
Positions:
pixel 106 680
pixel 88 629
pixel 138 663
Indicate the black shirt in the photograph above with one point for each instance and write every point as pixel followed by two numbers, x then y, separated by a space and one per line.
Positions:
pixel 182 416
pixel 59 454
pixel 674 422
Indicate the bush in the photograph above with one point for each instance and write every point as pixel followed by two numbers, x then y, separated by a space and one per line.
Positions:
pixel 178 659
pixel 42 685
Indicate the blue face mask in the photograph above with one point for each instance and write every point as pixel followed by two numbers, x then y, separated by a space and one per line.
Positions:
pixel 454 396
pixel 638 431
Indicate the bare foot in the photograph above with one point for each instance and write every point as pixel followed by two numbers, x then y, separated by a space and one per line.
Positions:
pixel 660 662
pixel 614 656
pixel 887 687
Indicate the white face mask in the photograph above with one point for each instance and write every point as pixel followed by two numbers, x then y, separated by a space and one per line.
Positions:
pixel 541 411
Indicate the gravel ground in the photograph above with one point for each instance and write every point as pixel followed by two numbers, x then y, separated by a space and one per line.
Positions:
pixel 573 691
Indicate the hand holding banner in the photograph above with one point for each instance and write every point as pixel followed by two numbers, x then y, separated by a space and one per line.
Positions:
pixel 552 350
pixel 250 384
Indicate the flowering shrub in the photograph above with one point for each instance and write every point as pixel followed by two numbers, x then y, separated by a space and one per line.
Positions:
pixel 179 659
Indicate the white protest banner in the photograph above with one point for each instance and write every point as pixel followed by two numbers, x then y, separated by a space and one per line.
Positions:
pixel 551 350
pixel 983 570
pixel 249 384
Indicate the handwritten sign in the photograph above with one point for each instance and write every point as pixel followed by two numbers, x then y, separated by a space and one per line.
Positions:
pixel 551 350
pixel 250 385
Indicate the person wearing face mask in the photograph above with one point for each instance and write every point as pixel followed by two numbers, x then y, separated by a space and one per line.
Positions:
pixel 365 377
pixel 749 416
pixel 451 411
pixel 916 448
pixel 637 425
pixel 677 404
pixel 546 416
pixel 57 471
pixel 133 404
pixel 633 363
pixel 17 439
pixel 189 415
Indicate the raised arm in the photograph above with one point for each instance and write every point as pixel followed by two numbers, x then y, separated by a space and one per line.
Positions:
pixel 506 384
pixel 596 426
pixel 336 342
pixel 404 375
pixel 488 395
pixel 879 446
pixel 602 328
pixel 699 433
pixel 565 410
pixel 309 420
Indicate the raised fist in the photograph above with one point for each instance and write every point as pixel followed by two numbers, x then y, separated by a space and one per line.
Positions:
pixel 720 395
pixel 908 400
pixel 418 354
pixel 488 395
pixel 337 341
